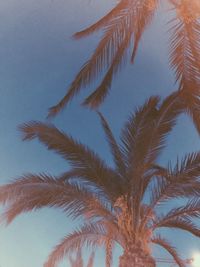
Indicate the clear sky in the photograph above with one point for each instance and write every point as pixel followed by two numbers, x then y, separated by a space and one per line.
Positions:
pixel 38 59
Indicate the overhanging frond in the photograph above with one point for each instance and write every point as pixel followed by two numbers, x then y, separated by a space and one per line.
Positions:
pixel 95 99
pixel 115 12
pixel 100 61
pixel 144 13
pixel 128 19
pixel 185 55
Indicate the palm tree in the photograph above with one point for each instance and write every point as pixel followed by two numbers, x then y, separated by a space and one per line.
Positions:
pixel 123 27
pixel 120 204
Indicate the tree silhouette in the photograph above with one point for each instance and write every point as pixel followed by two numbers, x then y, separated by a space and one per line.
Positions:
pixel 119 204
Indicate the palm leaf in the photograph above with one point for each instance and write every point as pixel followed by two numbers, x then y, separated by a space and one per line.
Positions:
pixel 168 112
pixel 180 224
pixel 188 211
pixel 101 59
pixel 135 133
pixel 90 235
pixel 115 12
pixel 81 158
pixel 36 191
pixel 115 149
pixel 185 56
pixel 144 138
pixel 192 105
pixel 126 20
pixel 182 181
pixel 98 96
pixel 145 11
pixel 158 240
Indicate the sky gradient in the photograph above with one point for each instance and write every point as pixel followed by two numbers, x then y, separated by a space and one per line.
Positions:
pixel 38 61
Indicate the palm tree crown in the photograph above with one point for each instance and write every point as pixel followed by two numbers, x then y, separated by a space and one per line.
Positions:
pixel 117 204
pixel 123 27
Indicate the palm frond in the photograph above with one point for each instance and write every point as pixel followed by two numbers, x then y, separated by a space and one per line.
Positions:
pixel 71 174
pixel 162 124
pixel 158 240
pixel 192 105
pixel 185 47
pixel 131 18
pixel 180 224
pixel 182 181
pixel 144 13
pixel 188 211
pixel 144 136
pixel 33 192
pixel 115 149
pixel 135 144
pixel 97 97
pixel 105 20
pixel 166 118
pixel 81 158
pixel 136 131
pixel 146 130
pixel 154 171
pixel 101 59
pixel 90 235
pixel 185 55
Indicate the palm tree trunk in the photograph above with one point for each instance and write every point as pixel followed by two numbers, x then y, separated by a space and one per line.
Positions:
pixel 136 257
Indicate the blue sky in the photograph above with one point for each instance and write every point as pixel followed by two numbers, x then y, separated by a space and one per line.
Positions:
pixel 38 60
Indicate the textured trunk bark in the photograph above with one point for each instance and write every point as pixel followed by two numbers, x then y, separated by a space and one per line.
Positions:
pixel 135 257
